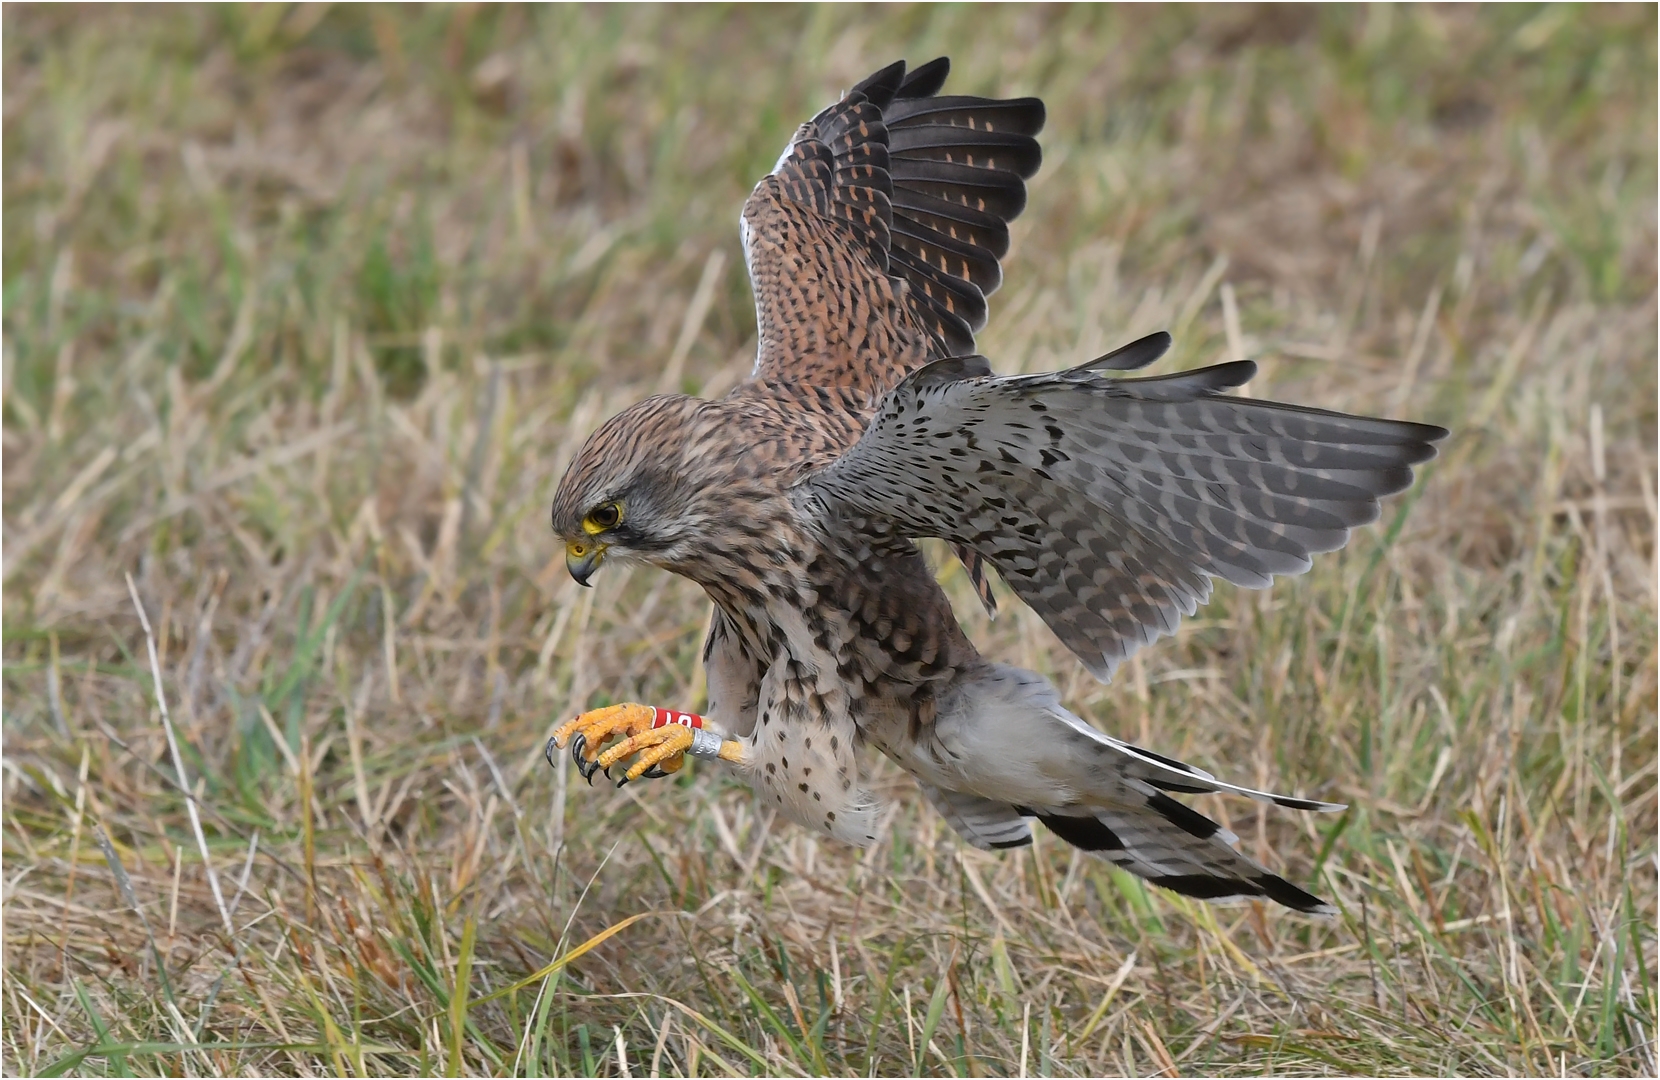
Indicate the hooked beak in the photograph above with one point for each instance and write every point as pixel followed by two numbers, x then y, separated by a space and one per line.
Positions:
pixel 582 559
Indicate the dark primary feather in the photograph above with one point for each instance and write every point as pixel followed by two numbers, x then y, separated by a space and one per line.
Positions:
pixel 983 229
pixel 925 81
pixel 953 257
pixel 913 140
pixel 974 189
pixel 1132 357
pixel 959 166
pixel 883 85
pixel 1109 504
pixel 951 307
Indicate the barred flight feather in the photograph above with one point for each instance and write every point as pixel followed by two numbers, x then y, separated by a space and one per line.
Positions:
pixel 1107 504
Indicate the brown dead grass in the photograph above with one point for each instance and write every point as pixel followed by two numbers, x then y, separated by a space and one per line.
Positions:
pixel 306 310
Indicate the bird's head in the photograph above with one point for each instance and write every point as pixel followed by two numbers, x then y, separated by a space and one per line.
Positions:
pixel 629 495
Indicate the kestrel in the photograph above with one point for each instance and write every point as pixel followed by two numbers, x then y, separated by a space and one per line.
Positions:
pixel 1108 504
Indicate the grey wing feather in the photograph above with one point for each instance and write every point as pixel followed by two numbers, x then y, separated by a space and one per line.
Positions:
pixel 984 823
pixel 1134 356
pixel 1108 505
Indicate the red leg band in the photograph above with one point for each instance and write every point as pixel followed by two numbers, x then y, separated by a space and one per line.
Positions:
pixel 665 717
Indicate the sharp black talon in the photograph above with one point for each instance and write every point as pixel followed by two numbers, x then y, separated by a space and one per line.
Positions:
pixel 583 765
pixel 620 783
pixel 653 773
pixel 547 752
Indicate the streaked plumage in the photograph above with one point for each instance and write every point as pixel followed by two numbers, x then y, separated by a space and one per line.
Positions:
pixel 1108 504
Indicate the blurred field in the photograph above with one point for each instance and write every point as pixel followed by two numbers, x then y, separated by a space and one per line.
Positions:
pixel 306 309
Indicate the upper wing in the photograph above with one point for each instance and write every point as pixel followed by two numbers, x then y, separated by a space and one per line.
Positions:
pixel 1107 504
pixel 873 243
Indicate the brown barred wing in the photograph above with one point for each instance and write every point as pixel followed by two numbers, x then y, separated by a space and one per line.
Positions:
pixel 873 243
pixel 816 235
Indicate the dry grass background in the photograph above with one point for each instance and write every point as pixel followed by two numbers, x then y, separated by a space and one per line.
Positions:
pixel 306 309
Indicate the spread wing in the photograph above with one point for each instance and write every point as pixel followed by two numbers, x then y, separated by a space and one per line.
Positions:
pixel 1110 504
pixel 875 240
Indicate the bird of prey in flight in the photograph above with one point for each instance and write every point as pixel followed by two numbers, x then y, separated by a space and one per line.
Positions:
pixel 1106 503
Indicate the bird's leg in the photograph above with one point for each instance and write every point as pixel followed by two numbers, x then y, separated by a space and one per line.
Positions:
pixel 661 738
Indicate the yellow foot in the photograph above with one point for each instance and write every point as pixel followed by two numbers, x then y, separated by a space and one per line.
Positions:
pixel 588 734
pixel 662 751
pixel 661 738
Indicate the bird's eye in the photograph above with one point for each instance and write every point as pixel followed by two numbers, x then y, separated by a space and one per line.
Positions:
pixel 601 518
